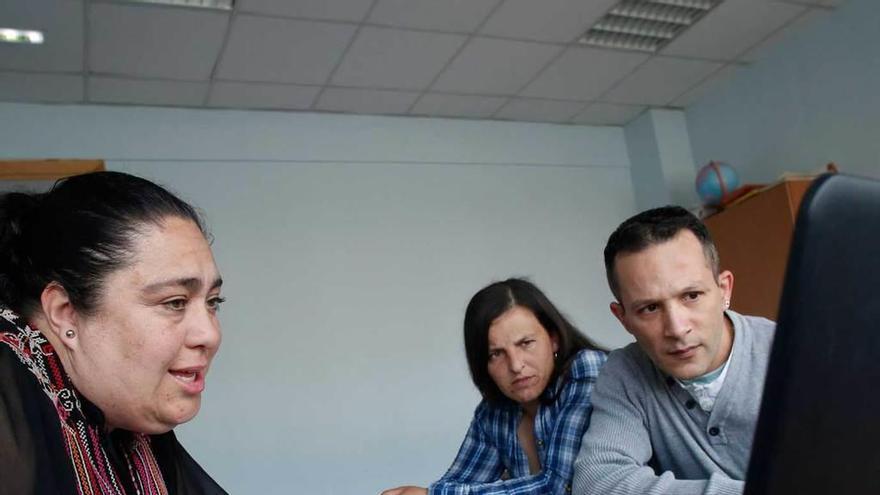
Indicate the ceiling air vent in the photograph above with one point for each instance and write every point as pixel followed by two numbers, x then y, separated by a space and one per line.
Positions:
pixel 646 25
pixel 199 4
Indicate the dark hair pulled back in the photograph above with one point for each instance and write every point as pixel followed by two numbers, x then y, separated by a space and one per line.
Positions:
pixel 494 300
pixel 76 235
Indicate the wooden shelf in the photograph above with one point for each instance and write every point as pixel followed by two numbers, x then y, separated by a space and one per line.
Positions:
pixel 47 169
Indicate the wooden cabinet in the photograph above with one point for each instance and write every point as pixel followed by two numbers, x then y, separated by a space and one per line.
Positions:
pixel 753 239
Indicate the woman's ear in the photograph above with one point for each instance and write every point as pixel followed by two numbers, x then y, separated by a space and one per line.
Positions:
pixel 60 315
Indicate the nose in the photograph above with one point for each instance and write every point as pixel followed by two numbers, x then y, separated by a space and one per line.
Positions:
pixel 204 331
pixel 676 324
pixel 516 362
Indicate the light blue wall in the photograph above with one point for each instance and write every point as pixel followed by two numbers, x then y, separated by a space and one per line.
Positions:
pixel 660 159
pixel 649 186
pixel 349 247
pixel 811 99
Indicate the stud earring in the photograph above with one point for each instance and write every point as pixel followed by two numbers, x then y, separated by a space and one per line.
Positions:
pixel 70 334
pixel 727 304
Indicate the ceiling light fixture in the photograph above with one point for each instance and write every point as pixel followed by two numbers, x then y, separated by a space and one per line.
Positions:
pixel 645 25
pixel 21 36
pixel 199 4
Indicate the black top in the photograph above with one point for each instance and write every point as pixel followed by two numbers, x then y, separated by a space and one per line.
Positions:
pixel 39 456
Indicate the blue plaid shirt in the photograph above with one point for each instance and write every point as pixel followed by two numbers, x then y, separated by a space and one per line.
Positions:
pixel 491 445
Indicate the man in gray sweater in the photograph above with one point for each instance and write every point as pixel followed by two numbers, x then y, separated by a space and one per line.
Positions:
pixel 674 412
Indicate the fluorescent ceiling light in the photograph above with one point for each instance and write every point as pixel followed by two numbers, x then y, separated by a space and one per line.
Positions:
pixel 22 36
pixel 201 4
pixel 645 25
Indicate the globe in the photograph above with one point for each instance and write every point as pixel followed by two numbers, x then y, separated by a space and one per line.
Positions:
pixel 715 181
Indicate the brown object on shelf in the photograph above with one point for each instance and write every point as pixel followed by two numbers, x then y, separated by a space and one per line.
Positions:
pixel 47 169
pixel 753 239
pixel 740 194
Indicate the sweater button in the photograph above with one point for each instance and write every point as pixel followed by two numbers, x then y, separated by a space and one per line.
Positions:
pixel 714 431
pixel 690 404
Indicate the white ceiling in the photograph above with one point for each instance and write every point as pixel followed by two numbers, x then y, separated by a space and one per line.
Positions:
pixel 497 59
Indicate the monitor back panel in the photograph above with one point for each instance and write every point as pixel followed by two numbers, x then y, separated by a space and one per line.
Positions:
pixel 819 427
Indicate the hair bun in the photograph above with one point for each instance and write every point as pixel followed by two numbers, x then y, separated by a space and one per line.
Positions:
pixel 16 210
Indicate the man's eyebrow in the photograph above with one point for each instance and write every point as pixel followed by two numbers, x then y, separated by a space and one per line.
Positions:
pixel 695 287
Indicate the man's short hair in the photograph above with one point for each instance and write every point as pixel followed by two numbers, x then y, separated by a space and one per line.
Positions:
pixel 652 227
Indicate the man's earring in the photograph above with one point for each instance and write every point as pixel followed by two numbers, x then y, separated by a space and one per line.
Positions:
pixel 70 334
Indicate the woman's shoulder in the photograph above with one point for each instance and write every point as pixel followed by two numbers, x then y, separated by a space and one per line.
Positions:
pixel 491 414
pixel 587 363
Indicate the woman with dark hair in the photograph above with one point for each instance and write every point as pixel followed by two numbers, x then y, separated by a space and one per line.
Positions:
pixel 108 324
pixel 536 372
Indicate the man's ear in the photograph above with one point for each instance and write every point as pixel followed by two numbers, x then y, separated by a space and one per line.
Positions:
pixel 618 311
pixel 725 282
pixel 61 317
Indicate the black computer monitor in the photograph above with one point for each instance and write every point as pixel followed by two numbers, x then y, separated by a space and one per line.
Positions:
pixel 819 425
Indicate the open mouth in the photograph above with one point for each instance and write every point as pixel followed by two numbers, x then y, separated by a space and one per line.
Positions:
pixel 192 379
pixel 185 376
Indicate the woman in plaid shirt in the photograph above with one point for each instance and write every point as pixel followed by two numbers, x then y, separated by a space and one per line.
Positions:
pixel 536 372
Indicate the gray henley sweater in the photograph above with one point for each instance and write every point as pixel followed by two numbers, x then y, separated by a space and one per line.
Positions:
pixel 648 436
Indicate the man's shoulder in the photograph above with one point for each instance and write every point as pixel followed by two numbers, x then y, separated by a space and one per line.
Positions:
pixel 758 323
pixel 759 329
pixel 629 364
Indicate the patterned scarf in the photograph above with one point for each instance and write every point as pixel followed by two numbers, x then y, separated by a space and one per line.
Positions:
pixel 84 440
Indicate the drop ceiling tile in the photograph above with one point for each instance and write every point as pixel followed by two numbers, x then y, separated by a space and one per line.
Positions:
pixel 146 92
pixel 52 88
pixel 62 48
pixel 393 58
pixel 608 114
pixel 494 67
pixel 443 105
pixel 365 101
pixel 339 10
pixel 262 95
pixel 283 50
pixel 463 16
pixel 799 24
pixel 712 84
pixel 145 40
pixel 731 28
pixel 660 80
pixel 561 21
pixel 537 110
pixel 583 73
